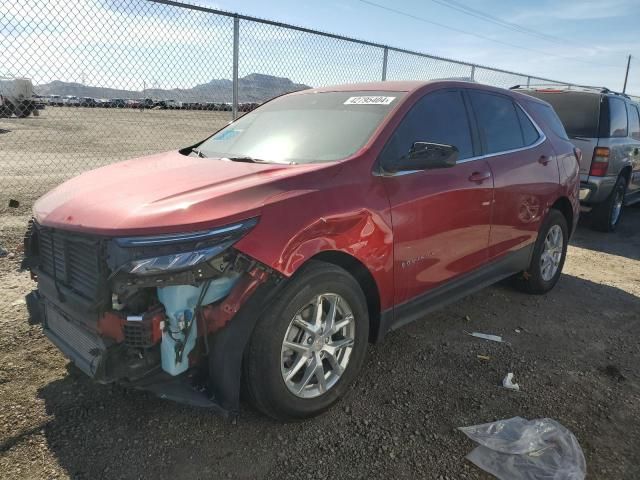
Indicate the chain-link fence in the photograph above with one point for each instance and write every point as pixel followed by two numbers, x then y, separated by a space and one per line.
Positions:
pixel 113 80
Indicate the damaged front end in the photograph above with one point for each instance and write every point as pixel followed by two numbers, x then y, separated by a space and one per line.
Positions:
pixel 167 313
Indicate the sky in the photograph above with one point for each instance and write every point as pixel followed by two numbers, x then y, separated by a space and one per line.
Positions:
pixel 592 44
pixel 136 44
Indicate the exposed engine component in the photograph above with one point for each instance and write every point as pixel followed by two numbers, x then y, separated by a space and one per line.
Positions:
pixel 181 328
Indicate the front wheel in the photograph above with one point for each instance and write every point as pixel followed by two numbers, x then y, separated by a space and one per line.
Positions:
pixel 309 345
pixel 548 256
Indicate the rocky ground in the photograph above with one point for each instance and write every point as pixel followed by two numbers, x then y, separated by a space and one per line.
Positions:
pixel 575 358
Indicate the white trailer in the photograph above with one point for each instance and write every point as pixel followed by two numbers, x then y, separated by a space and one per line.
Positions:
pixel 16 97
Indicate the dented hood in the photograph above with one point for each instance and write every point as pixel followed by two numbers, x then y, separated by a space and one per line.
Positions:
pixel 163 193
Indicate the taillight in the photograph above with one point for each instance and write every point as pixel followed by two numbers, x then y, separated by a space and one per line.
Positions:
pixel 600 162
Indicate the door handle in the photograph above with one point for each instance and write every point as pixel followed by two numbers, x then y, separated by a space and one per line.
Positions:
pixel 479 177
pixel 543 160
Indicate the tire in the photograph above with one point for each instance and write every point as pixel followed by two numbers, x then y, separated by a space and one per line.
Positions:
pixel 606 215
pixel 23 111
pixel 267 361
pixel 536 280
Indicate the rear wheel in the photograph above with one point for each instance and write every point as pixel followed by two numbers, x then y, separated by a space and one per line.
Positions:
pixel 606 215
pixel 548 257
pixel 309 345
pixel 23 110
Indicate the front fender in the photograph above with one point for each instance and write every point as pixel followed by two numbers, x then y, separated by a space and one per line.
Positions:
pixel 314 223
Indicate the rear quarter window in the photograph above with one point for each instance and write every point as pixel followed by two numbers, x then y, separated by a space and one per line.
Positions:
pixel 549 117
pixel 529 131
pixel 634 122
pixel 618 124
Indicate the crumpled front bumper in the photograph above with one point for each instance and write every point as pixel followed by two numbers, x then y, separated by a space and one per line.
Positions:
pixel 97 356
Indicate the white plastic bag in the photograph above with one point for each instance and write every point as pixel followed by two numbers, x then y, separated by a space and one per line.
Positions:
pixel 517 449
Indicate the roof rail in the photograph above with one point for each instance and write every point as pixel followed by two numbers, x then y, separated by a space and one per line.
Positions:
pixel 574 88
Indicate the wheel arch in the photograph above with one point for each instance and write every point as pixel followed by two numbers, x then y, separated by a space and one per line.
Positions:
pixel 626 173
pixel 563 205
pixel 365 279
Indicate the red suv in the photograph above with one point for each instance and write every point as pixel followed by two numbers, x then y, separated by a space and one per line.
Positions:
pixel 276 249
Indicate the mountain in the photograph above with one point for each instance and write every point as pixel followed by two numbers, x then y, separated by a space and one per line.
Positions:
pixel 255 87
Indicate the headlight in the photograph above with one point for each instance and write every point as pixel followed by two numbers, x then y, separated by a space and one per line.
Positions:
pixel 180 251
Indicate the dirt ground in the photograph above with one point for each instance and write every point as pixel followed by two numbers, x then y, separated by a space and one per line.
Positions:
pixel 37 153
pixel 575 358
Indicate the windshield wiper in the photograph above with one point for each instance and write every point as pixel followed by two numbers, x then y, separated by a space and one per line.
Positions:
pixel 578 137
pixel 198 152
pixel 248 159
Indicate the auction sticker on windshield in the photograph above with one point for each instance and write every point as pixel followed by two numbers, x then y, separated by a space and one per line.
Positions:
pixel 370 100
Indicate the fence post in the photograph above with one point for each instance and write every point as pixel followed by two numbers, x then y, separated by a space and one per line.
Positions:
pixel 236 51
pixel 384 63
pixel 473 73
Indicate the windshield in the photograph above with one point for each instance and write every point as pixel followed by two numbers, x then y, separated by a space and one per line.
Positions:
pixel 304 128
pixel 579 111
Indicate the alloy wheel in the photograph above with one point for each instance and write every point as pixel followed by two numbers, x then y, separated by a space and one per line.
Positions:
pixel 552 253
pixel 317 345
pixel 617 207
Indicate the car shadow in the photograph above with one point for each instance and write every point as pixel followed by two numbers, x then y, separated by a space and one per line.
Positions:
pixel 624 242
pixel 105 431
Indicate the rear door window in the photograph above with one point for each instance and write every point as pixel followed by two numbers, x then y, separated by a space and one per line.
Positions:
pixel 439 117
pixel 617 117
pixel 498 121
pixel 634 122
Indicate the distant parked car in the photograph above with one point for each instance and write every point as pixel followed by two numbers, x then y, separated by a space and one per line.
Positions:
pixel 605 125
pixel 103 103
pixel 247 107
pixel 118 103
pixel 87 102
pixel 71 101
pixel 55 100
pixel 39 102
pixel 133 103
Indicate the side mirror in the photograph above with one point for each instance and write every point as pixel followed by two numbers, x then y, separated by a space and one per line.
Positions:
pixel 427 156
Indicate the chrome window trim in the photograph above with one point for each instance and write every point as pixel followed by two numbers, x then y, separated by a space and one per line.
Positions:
pixel 541 139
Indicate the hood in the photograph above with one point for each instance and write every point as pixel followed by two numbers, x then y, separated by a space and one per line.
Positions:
pixel 164 193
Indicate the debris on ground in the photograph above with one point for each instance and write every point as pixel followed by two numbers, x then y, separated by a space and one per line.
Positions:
pixel 483 357
pixel 486 336
pixel 3 252
pixel 518 448
pixel 614 372
pixel 14 203
pixel 507 382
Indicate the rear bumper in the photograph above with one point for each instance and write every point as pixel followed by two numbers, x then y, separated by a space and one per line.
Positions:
pixel 595 189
